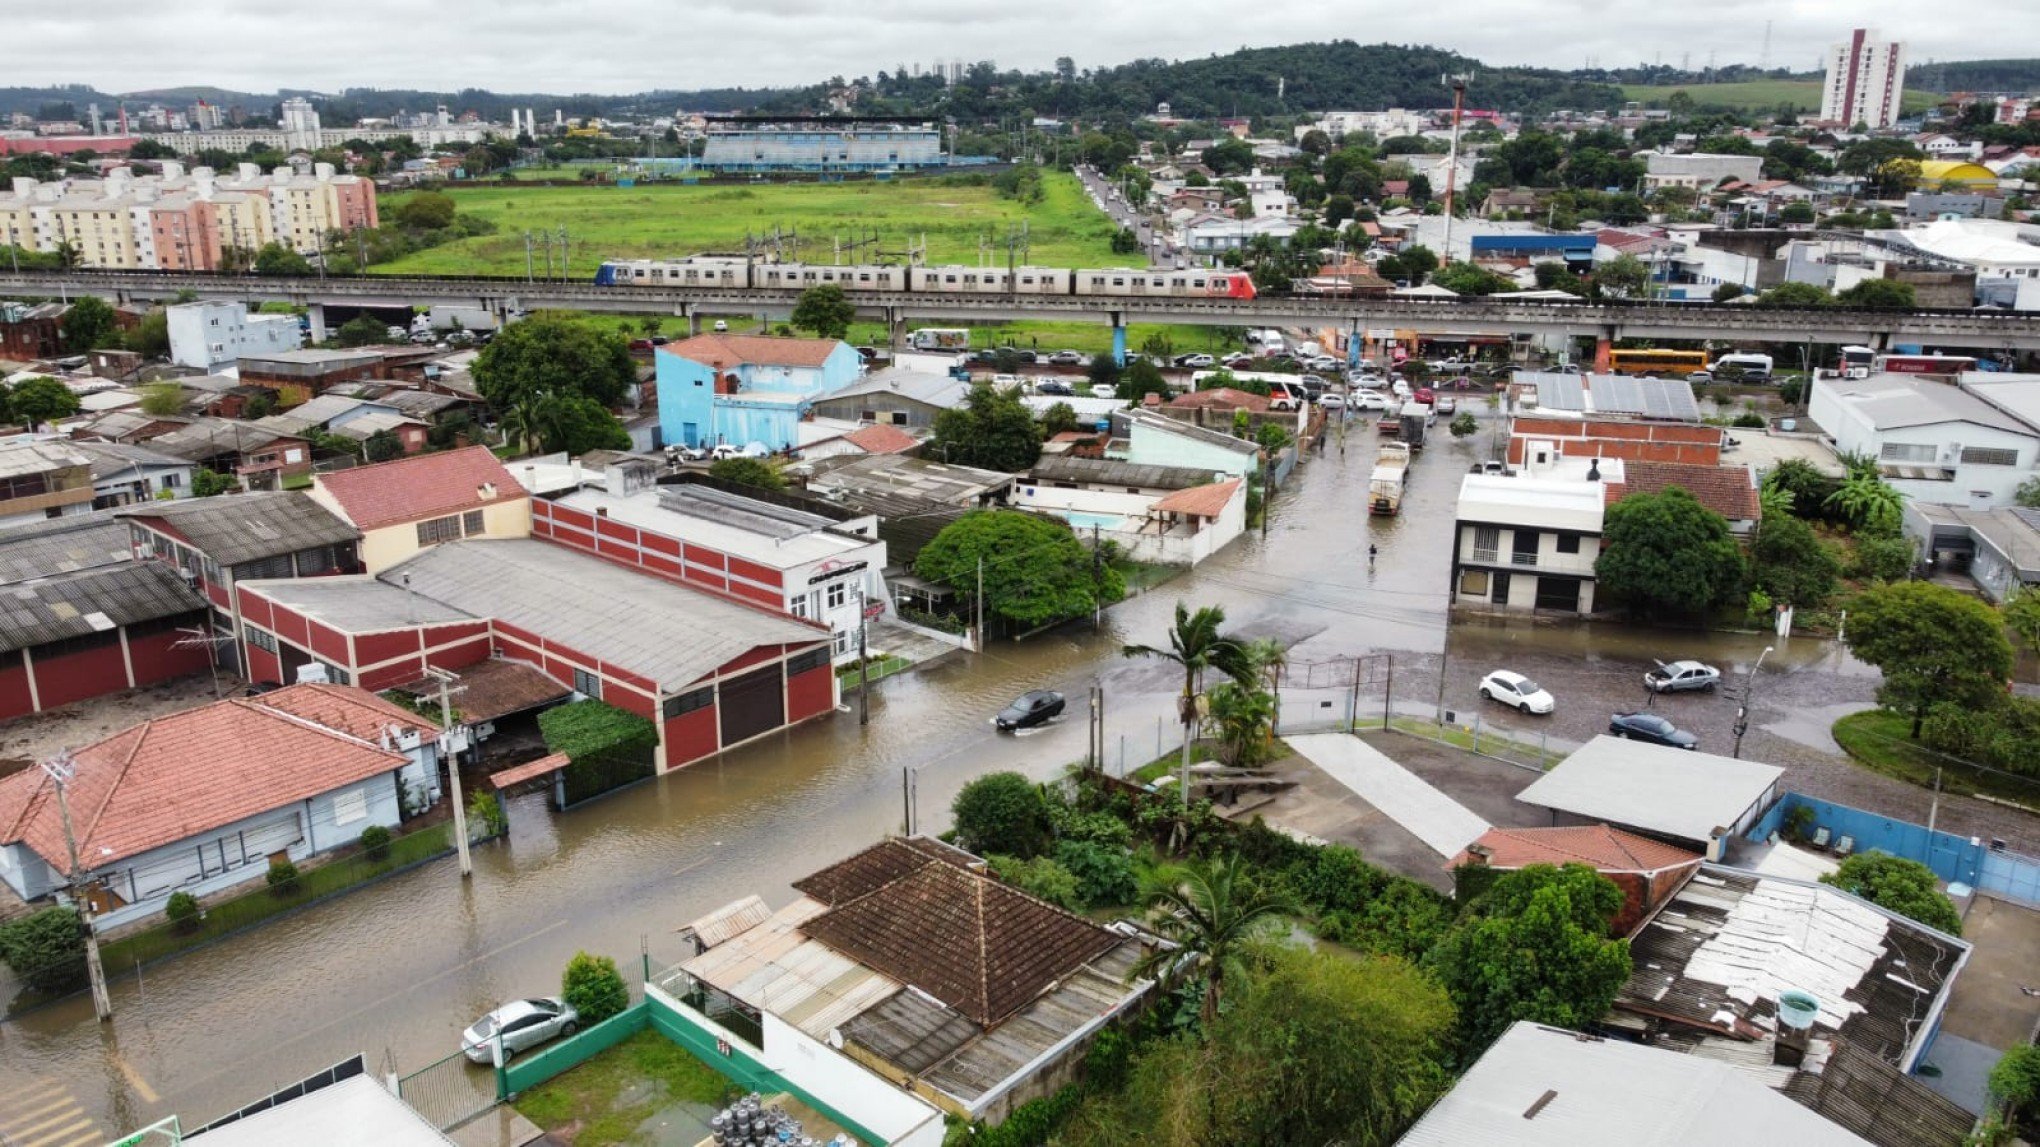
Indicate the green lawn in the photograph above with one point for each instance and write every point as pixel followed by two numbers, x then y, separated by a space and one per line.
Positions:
pixel 1881 741
pixel 669 220
pixel 607 1099
pixel 1757 95
pixel 259 904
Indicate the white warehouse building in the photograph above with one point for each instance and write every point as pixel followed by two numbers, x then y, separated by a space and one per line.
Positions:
pixel 1936 442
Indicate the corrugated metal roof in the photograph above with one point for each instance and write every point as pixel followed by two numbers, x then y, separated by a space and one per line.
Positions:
pixel 1548 1087
pixel 729 921
pixel 235 528
pixel 92 601
pixel 1109 472
pixel 356 604
pixel 63 545
pixel 19 458
pixel 667 632
pixel 774 967
pixel 1676 792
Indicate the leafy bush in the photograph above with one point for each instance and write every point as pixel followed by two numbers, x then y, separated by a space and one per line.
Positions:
pixel 1004 813
pixel 182 912
pixel 2005 736
pixel 46 949
pixel 605 746
pixel 485 816
pixel 282 878
pixel 1759 607
pixel 375 843
pixel 2015 1081
pixel 1906 887
pixel 1040 877
pixel 1337 879
pixel 1750 419
pixel 1799 822
pixel 1886 559
pixel 595 988
pixel 1103 873
pixel 1405 919
pixel 1093 827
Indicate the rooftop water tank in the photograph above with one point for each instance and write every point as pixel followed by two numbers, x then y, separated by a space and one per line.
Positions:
pixel 1797 1009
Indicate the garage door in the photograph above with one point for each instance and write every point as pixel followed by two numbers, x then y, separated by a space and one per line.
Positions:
pixel 752 704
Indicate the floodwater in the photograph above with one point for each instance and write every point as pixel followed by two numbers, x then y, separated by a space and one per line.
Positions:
pixel 396 970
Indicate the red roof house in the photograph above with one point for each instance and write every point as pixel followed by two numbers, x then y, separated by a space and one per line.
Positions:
pixel 1647 871
pixel 405 505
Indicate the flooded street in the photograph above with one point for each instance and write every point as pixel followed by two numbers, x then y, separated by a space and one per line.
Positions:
pixel 397 969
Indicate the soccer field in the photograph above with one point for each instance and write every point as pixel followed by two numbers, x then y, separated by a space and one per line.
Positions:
pixel 669 220
pixel 1757 95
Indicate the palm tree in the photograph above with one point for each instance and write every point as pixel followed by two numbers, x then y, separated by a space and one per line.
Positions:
pixel 1868 502
pixel 1197 642
pixel 1238 718
pixel 1212 910
pixel 1270 657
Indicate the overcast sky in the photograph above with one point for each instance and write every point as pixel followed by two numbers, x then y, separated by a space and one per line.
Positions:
pixel 614 46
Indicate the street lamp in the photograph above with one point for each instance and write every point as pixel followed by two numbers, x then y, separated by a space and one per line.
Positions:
pixel 1742 709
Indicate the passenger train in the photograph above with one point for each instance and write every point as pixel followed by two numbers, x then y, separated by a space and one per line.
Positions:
pixel 738 272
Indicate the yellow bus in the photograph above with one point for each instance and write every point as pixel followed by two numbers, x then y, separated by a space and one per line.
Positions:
pixel 1663 363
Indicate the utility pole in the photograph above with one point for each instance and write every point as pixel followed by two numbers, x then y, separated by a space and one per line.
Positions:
pixel 61 768
pixel 527 257
pixel 1097 579
pixel 978 605
pixel 1458 84
pixel 1742 709
pixel 446 678
pixel 863 665
pixel 564 275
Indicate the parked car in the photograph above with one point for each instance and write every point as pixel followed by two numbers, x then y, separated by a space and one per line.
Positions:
pixel 1332 401
pixel 1005 382
pixel 1445 406
pixel 640 344
pixel 724 450
pixel 1054 386
pixel 1239 361
pixel 1681 677
pixel 1104 390
pixel 754 450
pixel 1067 358
pixel 523 1024
pixel 689 453
pixel 1369 400
pixel 1029 710
pixel 1517 692
pixel 1323 362
pixel 1196 361
pixel 721 326
pixel 1650 728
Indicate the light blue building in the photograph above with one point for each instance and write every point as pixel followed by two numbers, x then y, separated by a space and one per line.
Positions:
pixel 744 389
pixel 1158 440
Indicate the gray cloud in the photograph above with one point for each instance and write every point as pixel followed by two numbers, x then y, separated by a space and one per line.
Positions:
pixel 632 45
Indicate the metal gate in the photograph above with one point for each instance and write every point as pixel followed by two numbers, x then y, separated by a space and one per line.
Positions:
pixel 1343 693
pixel 452 1091
pixel 752 704
pixel 2011 876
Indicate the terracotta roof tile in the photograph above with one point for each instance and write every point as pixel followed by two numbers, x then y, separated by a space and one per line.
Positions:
pixel 875 867
pixel 173 777
pixel 1201 501
pixel 494 688
pixel 425 486
pixel 1222 398
pixel 1607 849
pixel 722 351
pixel 355 712
pixel 881 439
pixel 1730 491
pixel 982 947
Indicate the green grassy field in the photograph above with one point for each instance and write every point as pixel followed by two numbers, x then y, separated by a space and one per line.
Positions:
pixel 668 220
pixel 1755 95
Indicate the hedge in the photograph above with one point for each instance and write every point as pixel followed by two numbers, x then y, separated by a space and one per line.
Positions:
pixel 605 747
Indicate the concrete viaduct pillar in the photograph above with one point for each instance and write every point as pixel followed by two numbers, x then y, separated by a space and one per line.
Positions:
pixel 895 328
pixel 315 315
pixel 1604 346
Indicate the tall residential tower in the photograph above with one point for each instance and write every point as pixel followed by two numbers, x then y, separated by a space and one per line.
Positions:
pixel 1865 78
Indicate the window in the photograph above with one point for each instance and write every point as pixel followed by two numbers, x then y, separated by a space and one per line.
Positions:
pixel 335 674
pixel 688 702
pixel 1487 540
pixel 811 660
pixel 471 523
pixel 262 639
pixel 350 806
pixel 1989 456
pixel 1907 452
pixel 842 642
pixel 433 531
pixel 836 595
pixel 278 566
pixel 587 684
pixel 1473 582
pixel 1523 547
pixel 1568 543
pixel 799 607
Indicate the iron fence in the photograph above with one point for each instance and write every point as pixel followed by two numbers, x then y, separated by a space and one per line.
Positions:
pixel 452 1091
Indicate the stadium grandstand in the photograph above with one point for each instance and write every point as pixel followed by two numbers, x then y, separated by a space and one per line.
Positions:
pixel 760 145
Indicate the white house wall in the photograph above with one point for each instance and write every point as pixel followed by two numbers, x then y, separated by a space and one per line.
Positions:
pixel 841 1082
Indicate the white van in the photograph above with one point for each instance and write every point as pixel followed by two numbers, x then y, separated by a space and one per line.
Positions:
pixel 1754 367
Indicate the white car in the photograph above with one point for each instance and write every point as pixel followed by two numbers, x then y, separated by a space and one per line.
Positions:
pixel 1196 361
pixel 1369 400
pixel 1517 692
pixel 1399 388
pixel 725 450
pixel 1104 390
pixel 522 1024
pixel 1332 400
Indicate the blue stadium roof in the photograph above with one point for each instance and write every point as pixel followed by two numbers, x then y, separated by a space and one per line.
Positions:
pixel 1550 244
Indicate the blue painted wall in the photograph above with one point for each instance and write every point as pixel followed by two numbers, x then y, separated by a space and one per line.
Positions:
pixel 1956 859
pixel 692 414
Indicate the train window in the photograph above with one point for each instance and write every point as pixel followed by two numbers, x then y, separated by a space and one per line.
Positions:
pixel 1161 282
pixel 1026 280
pixel 1119 282
pixel 950 279
pixel 1097 280
pixel 864 276
pixel 1196 283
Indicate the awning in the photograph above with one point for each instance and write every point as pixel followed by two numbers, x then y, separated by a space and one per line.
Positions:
pixel 527 772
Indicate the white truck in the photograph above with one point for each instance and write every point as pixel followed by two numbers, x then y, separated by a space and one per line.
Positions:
pixel 447 317
pixel 1385 484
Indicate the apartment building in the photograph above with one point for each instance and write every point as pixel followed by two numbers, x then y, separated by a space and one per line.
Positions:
pixel 1865 80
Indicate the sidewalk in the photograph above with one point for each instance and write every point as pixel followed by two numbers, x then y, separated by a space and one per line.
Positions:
pixel 1443 824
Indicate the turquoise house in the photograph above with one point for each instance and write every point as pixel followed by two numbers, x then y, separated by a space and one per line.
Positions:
pixel 744 389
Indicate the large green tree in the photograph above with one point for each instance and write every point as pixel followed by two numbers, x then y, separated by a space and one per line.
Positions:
pixel 1906 887
pixel 1002 813
pixel 824 310
pixel 278 260
pixel 88 325
pixel 1790 562
pixel 1212 910
pixel 361 330
pixel 1534 946
pixel 41 400
pixel 1667 552
pixel 1035 570
pixel 748 472
pixel 1623 277
pixel 577 424
pixel 1796 295
pixel 993 430
pixel 1934 645
pixel 424 211
pixel 549 354
pixel 1867 502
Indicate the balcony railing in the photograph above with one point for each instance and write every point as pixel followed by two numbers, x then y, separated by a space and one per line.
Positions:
pixel 1519 557
pixel 1484 555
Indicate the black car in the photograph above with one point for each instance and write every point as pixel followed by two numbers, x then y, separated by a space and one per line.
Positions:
pixel 1651 728
pixel 1029 710
pixel 1051 386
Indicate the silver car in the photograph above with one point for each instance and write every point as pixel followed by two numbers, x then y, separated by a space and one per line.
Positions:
pixel 523 1024
pixel 1681 677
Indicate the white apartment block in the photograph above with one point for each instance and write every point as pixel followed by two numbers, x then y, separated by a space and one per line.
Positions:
pixel 213 335
pixel 1865 80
